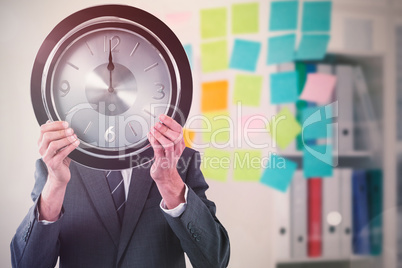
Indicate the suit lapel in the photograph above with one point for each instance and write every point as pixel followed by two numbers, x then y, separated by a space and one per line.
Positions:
pixel 98 190
pixel 140 186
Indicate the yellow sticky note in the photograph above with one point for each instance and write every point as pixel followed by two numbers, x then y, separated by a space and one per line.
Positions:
pixel 284 128
pixel 188 136
pixel 247 165
pixel 216 164
pixel 214 96
pixel 217 127
pixel 213 22
pixel 245 18
pixel 214 56
pixel 247 90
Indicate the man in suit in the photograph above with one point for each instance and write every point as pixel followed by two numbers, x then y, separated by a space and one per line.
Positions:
pixel 74 215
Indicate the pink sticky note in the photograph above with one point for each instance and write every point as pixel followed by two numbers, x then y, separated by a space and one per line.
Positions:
pixel 178 18
pixel 256 121
pixel 319 88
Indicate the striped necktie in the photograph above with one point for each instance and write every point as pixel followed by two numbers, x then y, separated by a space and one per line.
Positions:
pixel 116 186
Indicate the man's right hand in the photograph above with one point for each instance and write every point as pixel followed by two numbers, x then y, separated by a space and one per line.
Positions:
pixel 55 143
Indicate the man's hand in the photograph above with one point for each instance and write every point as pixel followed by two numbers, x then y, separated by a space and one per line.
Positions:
pixel 56 141
pixel 168 144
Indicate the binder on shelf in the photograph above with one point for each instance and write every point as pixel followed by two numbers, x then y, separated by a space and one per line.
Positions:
pixel 344 94
pixel 375 190
pixel 314 229
pixel 331 215
pixel 345 175
pixel 282 224
pixel 298 192
pixel 361 233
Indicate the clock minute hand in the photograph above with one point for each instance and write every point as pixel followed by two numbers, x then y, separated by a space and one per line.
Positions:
pixel 110 67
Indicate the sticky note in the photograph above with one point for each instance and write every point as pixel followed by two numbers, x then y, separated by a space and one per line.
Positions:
pixel 317 160
pixel 245 55
pixel 281 49
pixel 316 122
pixel 279 173
pixel 283 87
pixel 312 47
pixel 247 89
pixel 216 164
pixel 214 96
pixel 245 18
pixel 188 136
pixel 213 22
pixel 255 121
pixel 214 56
pixel 316 16
pixel 319 88
pixel 247 165
pixel 189 52
pixel 284 15
pixel 284 128
pixel 216 127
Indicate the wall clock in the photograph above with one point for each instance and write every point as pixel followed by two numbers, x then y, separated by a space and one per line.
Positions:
pixel 110 71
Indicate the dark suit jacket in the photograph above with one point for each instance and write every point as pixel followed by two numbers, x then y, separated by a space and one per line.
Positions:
pixel 89 235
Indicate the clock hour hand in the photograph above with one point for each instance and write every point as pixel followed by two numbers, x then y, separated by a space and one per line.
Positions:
pixel 110 67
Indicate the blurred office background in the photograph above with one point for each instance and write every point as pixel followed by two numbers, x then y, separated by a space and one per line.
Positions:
pixel 324 190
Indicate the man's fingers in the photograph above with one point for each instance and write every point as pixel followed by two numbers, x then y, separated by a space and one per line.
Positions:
pixel 51 126
pixel 158 148
pixel 170 123
pixel 51 136
pixel 169 133
pixel 168 145
pixel 63 153
pixel 57 146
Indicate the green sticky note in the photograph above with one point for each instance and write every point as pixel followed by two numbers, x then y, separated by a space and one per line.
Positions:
pixel 216 127
pixel 284 128
pixel 247 165
pixel 316 16
pixel 245 18
pixel 317 160
pixel 247 90
pixel 283 15
pixel 213 22
pixel 214 56
pixel 216 164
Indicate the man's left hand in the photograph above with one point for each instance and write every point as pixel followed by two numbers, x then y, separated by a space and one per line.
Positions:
pixel 167 142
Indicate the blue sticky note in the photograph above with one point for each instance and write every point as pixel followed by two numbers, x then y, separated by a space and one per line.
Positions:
pixel 245 55
pixel 283 15
pixel 312 47
pixel 317 160
pixel 279 173
pixel 284 87
pixel 281 49
pixel 189 51
pixel 316 122
pixel 316 16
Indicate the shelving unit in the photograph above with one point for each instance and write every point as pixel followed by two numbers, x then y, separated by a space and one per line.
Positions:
pixel 379 68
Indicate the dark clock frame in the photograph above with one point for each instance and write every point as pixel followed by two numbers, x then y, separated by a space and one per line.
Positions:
pixel 135 155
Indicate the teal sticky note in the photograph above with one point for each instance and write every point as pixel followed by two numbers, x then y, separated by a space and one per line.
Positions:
pixel 283 87
pixel 316 122
pixel 316 16
pixel 312 47
pixel 189 52
pixel 245 55
pixel 281 49
pixel 317 160
pixel 283 15
pixel 279 173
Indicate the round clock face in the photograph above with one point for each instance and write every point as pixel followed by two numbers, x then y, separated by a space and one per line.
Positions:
pixel 110 71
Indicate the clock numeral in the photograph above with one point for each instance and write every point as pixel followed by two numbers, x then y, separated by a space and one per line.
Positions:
pixel 110 136
pixel 160 91
pixel 115 40
pixel 64 88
